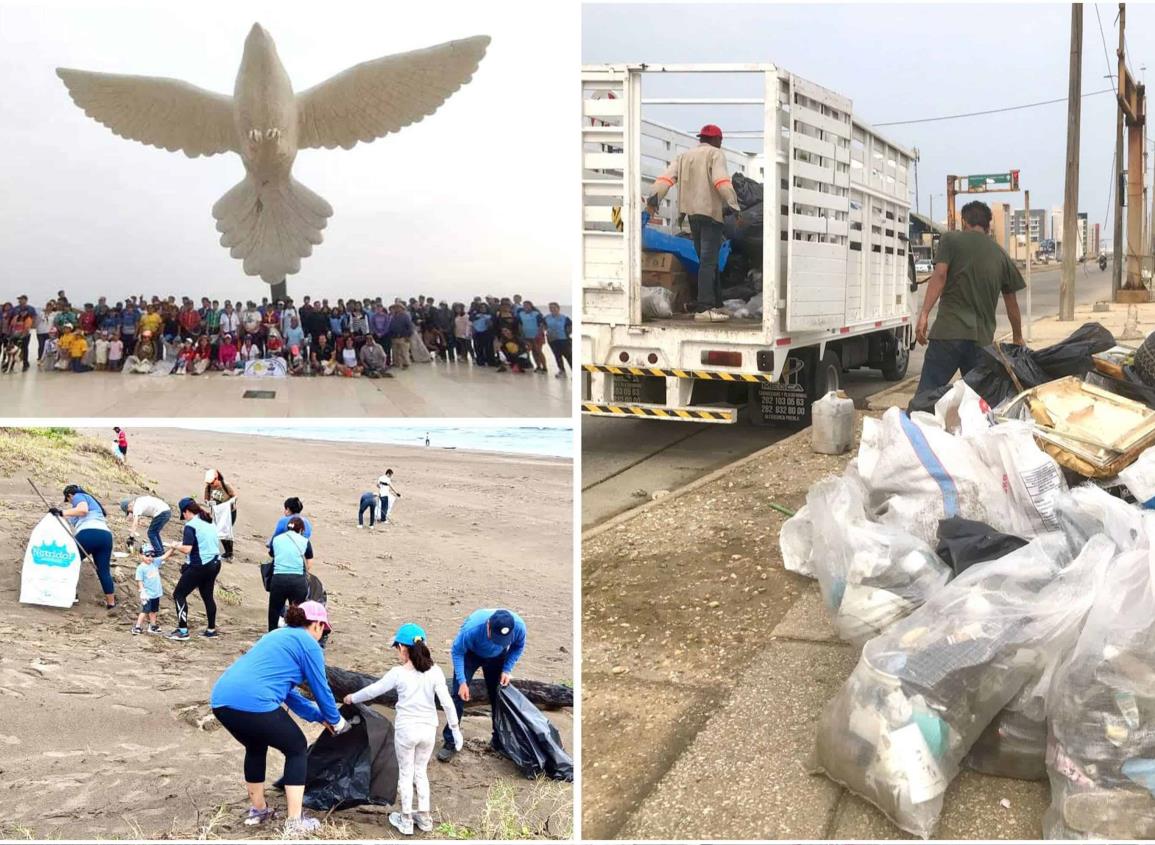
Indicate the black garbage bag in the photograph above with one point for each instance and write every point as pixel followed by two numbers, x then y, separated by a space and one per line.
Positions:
pixel 744 228
pixel 317 593
pixel 749 191
pixel 357 767
pixel 524 735
pixel 964 542
pixel 1068 357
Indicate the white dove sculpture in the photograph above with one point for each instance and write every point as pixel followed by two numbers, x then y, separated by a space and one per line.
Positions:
pixel 270 220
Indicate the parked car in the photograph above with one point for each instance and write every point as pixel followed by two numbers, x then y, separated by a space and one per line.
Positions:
pixel 924 265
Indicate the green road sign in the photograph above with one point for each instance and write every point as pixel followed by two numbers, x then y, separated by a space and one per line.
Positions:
pixel 1008 181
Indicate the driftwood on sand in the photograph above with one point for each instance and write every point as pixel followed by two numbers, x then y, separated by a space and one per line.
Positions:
pixel 544 696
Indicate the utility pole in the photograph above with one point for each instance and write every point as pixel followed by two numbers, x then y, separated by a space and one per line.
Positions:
pixel 1117 264
pixel 916 180
pixel 1071 188
pixel 1030 311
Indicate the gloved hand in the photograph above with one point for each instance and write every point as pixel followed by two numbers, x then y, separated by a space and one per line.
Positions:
pixel 56 511
pixel 341 726
pixel 458 739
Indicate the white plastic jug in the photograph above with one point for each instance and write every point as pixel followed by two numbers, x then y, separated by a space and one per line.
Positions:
pixel 832 427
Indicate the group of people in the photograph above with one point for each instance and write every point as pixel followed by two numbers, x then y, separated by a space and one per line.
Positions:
pixel 365 337
pixel 250 698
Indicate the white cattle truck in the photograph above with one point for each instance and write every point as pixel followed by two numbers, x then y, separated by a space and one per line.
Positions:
pixel 836 272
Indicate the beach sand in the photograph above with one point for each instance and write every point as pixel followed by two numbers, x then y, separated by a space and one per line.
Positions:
pixel 99 732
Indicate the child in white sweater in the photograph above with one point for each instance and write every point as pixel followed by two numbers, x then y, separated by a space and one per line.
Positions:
pixel 420 684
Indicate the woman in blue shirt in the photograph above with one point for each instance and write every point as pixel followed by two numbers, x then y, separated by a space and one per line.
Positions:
pixel 558 329
pixel 248 701
pixel 292 563
pixel 533 333
pixel 201 542
pixel 482 324
pixel 93 536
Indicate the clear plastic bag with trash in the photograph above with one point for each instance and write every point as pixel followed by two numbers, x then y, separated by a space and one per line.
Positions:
pixel 657 302
pixel 796 541
pixel 923 692
pixel 1101 709
pixel 870 575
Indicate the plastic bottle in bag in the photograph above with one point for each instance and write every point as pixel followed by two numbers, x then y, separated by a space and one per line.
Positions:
pixel 833 424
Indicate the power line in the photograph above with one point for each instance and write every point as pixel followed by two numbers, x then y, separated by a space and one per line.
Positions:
pixel 990 111
pixel 1111 77
pixel 1106 55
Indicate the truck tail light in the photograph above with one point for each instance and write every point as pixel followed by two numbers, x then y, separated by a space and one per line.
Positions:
pixel 722 359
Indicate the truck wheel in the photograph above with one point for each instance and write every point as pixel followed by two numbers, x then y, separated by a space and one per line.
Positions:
pixel 827 375
pixel 895 359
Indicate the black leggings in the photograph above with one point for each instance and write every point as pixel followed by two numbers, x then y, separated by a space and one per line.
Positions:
pixel 257 732
pixel 562 349
pixel 201 578
pixel 285 588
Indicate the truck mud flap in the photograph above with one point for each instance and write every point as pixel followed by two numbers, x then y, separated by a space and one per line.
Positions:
pixel 711 414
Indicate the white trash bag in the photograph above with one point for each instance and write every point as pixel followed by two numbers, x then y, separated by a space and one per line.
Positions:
pixel 657 302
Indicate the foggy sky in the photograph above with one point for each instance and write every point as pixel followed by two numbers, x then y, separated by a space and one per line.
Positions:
pixel 900 62
pixel 444 207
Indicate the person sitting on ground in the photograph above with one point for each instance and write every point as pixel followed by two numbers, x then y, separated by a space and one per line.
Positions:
pixel 248 700
pixel 321 357
pixel 51 351
pixel 420 685
pixel 347 360
pixel 201 542
pixel 153 509
pixel 202 355
pixel 292 556
pixel 150 587
pixel 295 361
pixel 227 354
pixel 373 358
pixel 489 640
pixel 514 350
pixel 274 343
pixel 143 357
pixel 182 365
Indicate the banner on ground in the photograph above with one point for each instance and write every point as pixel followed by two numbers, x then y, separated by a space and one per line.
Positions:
pixel 51 565
pixel 266 368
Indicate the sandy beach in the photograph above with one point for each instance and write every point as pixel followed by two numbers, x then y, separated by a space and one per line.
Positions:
pixel 99 735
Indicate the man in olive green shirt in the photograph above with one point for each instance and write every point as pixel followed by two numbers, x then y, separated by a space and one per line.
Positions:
pixel 970 272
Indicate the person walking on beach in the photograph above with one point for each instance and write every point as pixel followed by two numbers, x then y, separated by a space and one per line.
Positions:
pixel 489 640
pixel 249 701
pixel 93 536
pixel 155 510
pixel 292 564
pixel 420 685
pixel 203 547
pixel 386 493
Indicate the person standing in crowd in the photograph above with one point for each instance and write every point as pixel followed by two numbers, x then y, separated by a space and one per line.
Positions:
pixel 531 322
pixel 401 331
pixel 489 640
pixel 203 547
pixel 420 685
pixel 704 189
pixel 93 536
pixel 153 509
pixel 379 324
pixel 45 324
pixel 73 344
pixel 482 329
pixel 230 320
pixel 462 332
pixel 559 329
pixel 115 354
pixel 386 493
pixel 442 317
pixel 248 700
pixel 292 564
pixel 22 325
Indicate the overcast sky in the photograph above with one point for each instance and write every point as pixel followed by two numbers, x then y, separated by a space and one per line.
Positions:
pixel 903 62
pixel 445 207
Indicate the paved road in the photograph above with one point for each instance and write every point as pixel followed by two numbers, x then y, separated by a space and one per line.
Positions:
pixel 625 461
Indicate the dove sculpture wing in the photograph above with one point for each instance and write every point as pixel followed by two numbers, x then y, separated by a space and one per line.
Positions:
pixel 165 113
pixel 384 95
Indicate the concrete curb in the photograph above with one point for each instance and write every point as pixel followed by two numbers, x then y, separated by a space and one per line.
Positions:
pixel 714 475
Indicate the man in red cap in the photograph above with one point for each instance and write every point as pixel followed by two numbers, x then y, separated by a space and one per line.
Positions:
pixel 703 190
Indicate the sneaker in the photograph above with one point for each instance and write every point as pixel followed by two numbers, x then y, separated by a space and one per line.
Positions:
pixel 713 315
pixel 404 824
pixel 178 634
pixel 424 822
pixel 154 629
pixel 136 629
pixel 256 816
pixel 209 632
pixel 445 754
pixel 303 826
pixel 359 525
pixel 560 374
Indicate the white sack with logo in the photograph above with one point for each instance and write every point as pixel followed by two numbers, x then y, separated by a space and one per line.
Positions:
pixel 51 565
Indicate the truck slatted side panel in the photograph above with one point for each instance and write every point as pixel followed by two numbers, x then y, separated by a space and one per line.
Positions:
pixel 606 245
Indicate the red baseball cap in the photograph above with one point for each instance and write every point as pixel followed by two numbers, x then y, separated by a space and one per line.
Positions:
pixel 710 131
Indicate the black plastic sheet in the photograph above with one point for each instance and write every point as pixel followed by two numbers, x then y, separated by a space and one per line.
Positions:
pixel 964 542
pixel 356 767
pixel 524 735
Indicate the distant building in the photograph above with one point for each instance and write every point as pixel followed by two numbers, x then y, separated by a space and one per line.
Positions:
pixel 1038 223
pixel 1001 224
pixel 1083 239
pixel 1094 241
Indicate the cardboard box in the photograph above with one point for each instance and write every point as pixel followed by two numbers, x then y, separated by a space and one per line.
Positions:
pixel 661 261
pixel 677 282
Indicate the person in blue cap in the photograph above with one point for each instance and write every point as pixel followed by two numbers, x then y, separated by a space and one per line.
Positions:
pixel 489 640
pixel 420 684
pixel 201 542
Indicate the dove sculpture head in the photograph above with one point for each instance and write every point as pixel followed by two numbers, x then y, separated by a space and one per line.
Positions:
pixel 269 220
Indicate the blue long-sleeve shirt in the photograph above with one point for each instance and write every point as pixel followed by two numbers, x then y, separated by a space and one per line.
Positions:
pixel 266 676
pixel 473 639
